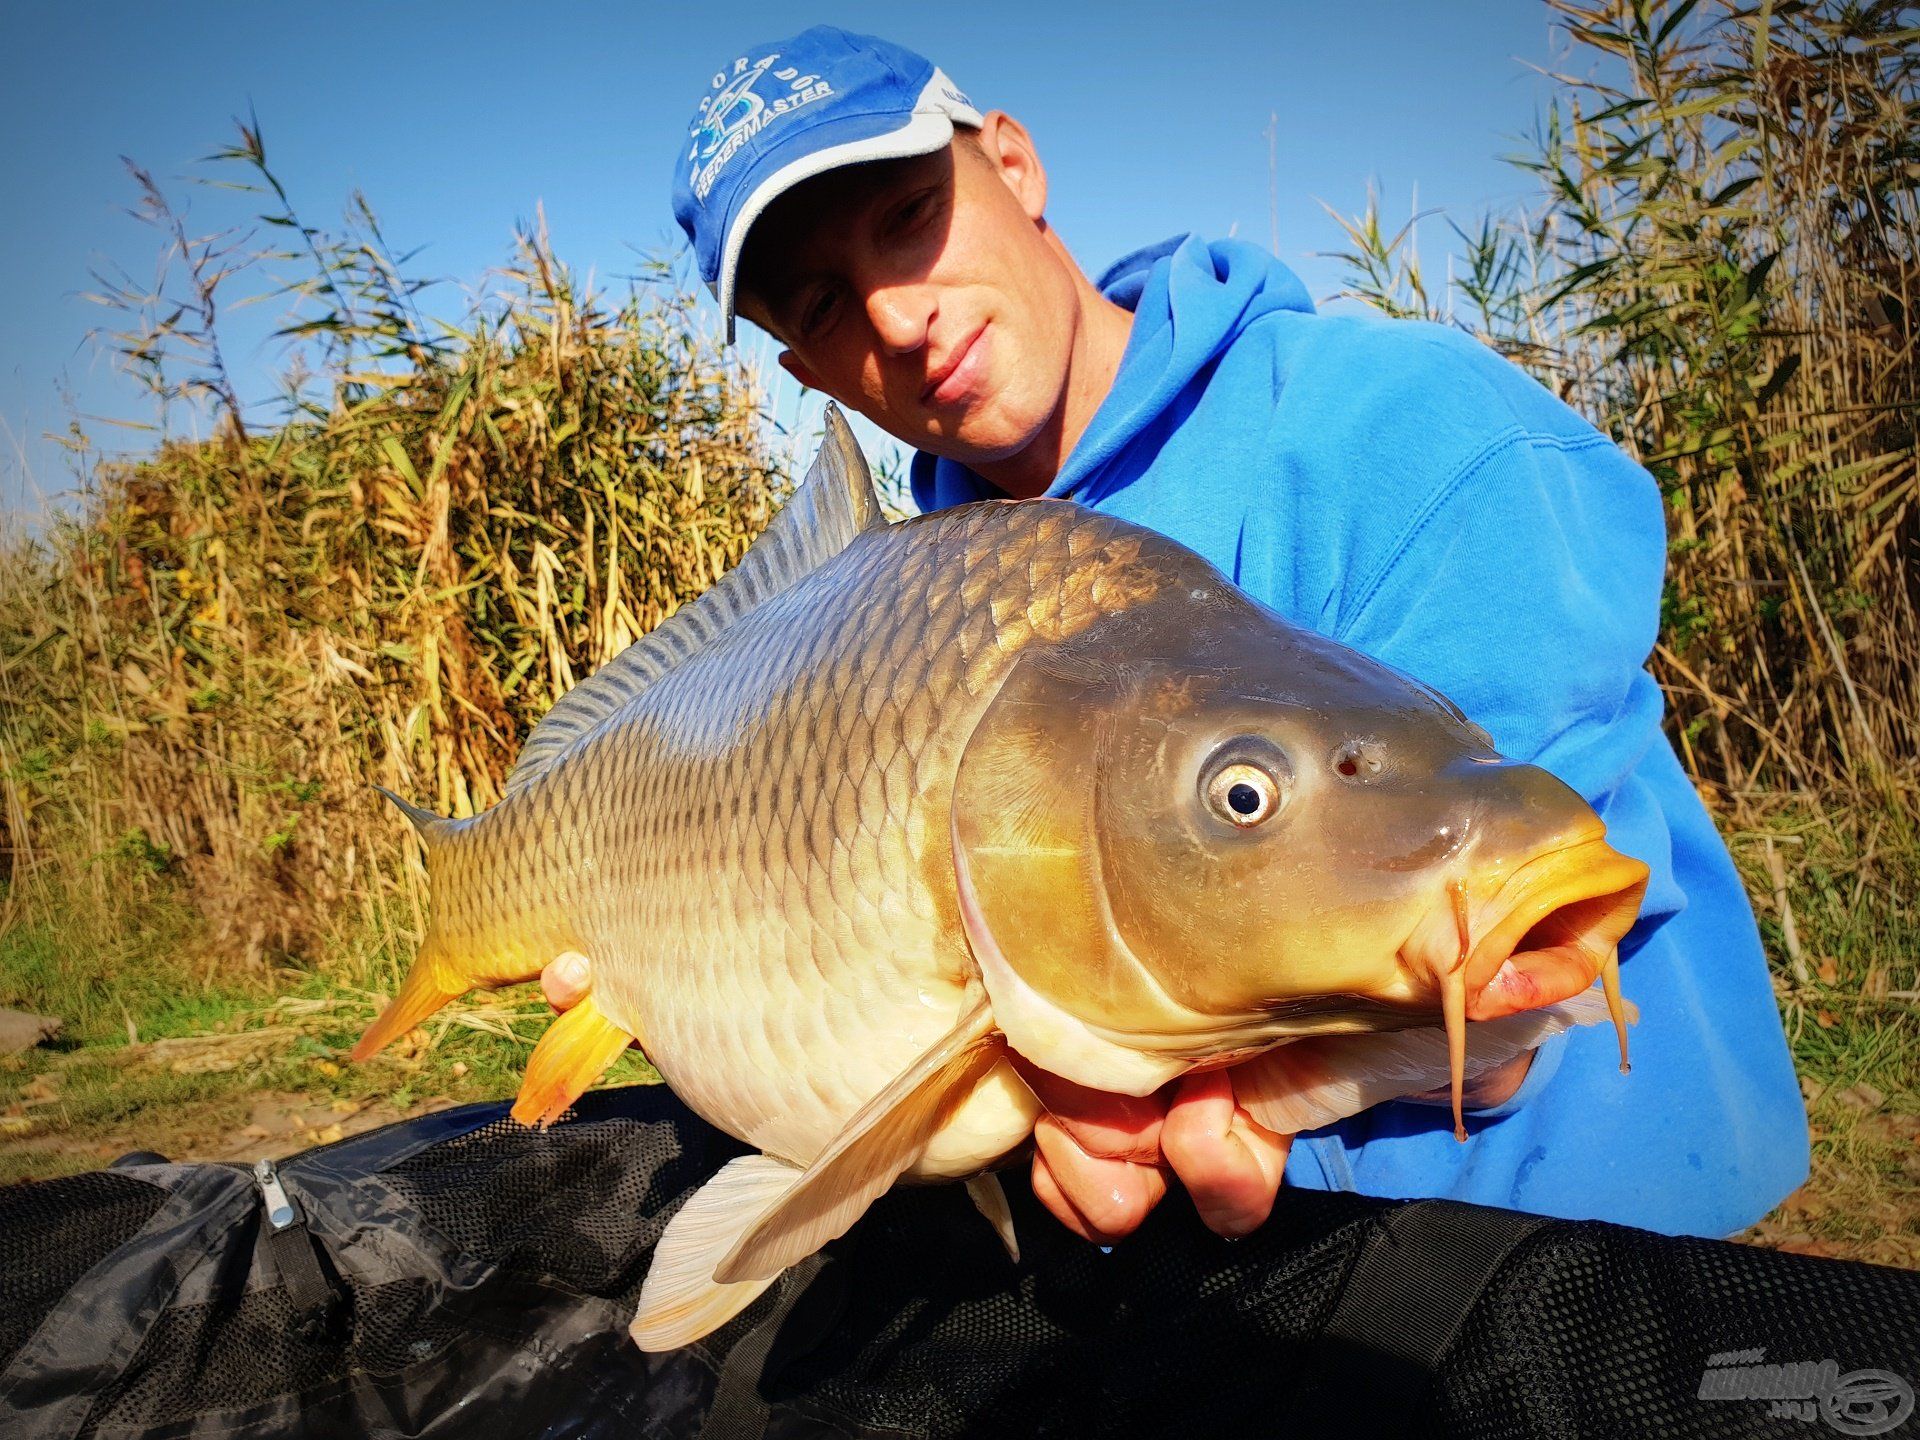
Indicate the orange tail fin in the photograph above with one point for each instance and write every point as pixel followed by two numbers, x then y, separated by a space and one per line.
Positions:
pixel 422 993
pixel 573 1053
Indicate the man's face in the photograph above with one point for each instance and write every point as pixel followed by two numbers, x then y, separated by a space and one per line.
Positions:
pixel 923 293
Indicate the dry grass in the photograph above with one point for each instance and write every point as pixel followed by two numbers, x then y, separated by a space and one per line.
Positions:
pixel 206 670
pixel 202 673
pixel 207 666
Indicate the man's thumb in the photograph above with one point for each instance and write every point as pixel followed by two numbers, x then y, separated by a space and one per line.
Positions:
pixel 566 980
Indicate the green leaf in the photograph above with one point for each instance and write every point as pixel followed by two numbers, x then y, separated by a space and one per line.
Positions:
pixel 1673 20
pixel 1728 192
pixel 398 458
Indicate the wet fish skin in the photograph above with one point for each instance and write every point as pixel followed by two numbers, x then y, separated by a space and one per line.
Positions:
pixel 888 805
pixel 756 856
pixel 773 881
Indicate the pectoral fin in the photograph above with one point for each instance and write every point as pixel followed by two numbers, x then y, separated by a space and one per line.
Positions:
pixel 990 1199
pixel 868 1155
pixel 1317 1081
pixel 680 1300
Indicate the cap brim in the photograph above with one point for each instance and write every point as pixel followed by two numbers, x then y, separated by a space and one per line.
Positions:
pixel 922 133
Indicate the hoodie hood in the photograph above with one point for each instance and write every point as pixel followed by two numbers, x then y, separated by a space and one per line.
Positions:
pixel 1191 299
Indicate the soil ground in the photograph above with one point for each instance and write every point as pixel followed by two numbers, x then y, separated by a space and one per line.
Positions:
pixel 1861 1203
pixel 270 1125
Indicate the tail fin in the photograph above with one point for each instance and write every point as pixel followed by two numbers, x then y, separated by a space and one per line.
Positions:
pixel 422 993
pixel 429 985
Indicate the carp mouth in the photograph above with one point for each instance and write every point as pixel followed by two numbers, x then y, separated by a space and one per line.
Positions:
pixel 1543 935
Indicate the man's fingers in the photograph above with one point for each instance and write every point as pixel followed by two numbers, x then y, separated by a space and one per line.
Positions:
pixel 1096 1156
pixel 1531 980
pixel 1047 1191
pixel 1098 1198
pixel 1117 1127
pixel 1230 1164
pixel 566 980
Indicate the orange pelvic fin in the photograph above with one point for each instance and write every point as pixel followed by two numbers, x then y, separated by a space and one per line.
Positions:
pixel 575 1051
pixel 423 992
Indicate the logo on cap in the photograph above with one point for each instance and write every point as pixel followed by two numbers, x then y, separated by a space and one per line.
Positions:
pixel 735 112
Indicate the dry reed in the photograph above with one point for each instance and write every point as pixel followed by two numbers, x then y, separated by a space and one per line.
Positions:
pixel 1723 272
pixel 205 670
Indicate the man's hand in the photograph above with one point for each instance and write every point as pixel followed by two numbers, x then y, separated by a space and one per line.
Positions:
pixel 1101 1161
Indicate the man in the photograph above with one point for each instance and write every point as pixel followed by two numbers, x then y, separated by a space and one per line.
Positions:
pixel 1394 485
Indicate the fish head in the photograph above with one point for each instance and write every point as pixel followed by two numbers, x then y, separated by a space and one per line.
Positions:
pixel 1197 827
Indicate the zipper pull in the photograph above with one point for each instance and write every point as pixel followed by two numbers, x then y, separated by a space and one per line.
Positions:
pixel 291 1249
pixel 280 1211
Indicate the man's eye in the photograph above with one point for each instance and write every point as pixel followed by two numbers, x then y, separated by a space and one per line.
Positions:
pixel 819 310
pixel 914 211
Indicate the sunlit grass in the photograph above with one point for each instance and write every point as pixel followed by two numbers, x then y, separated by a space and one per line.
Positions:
pixel 203 674
pixel 205 671
pixel 1847 988
pixel 154 1055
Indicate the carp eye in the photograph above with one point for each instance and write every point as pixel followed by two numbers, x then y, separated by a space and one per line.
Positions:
pixel 1242 794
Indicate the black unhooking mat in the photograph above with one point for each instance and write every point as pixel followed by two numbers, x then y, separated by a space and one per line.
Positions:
pixel 460 1276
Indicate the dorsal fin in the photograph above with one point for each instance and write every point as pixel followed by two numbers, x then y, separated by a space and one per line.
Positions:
pixel 427 825
pixel 834 504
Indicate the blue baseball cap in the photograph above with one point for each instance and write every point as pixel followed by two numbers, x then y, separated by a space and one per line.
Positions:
pixel 787 111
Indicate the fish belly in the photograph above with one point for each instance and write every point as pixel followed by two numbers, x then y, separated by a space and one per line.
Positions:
pixel 995 1119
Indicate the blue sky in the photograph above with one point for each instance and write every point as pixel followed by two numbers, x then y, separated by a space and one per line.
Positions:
pixel 458 119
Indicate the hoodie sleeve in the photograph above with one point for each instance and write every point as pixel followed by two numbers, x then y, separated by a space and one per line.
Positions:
pixel 1522 578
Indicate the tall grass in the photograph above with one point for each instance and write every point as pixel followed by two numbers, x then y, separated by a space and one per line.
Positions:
pixel 1722 270
pixel 206 668
pixel 203 670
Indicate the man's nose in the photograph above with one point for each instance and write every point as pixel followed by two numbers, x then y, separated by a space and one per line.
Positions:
pixel 901 316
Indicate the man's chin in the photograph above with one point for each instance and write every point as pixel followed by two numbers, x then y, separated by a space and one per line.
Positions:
pixel 979 434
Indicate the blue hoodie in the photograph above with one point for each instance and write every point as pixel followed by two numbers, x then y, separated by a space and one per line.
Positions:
pixel 1403 489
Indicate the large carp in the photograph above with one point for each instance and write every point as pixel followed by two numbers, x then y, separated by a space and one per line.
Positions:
pixel 895 801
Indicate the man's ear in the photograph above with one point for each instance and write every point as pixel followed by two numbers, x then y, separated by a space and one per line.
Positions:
pixel 795 367
pixel 1007 145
